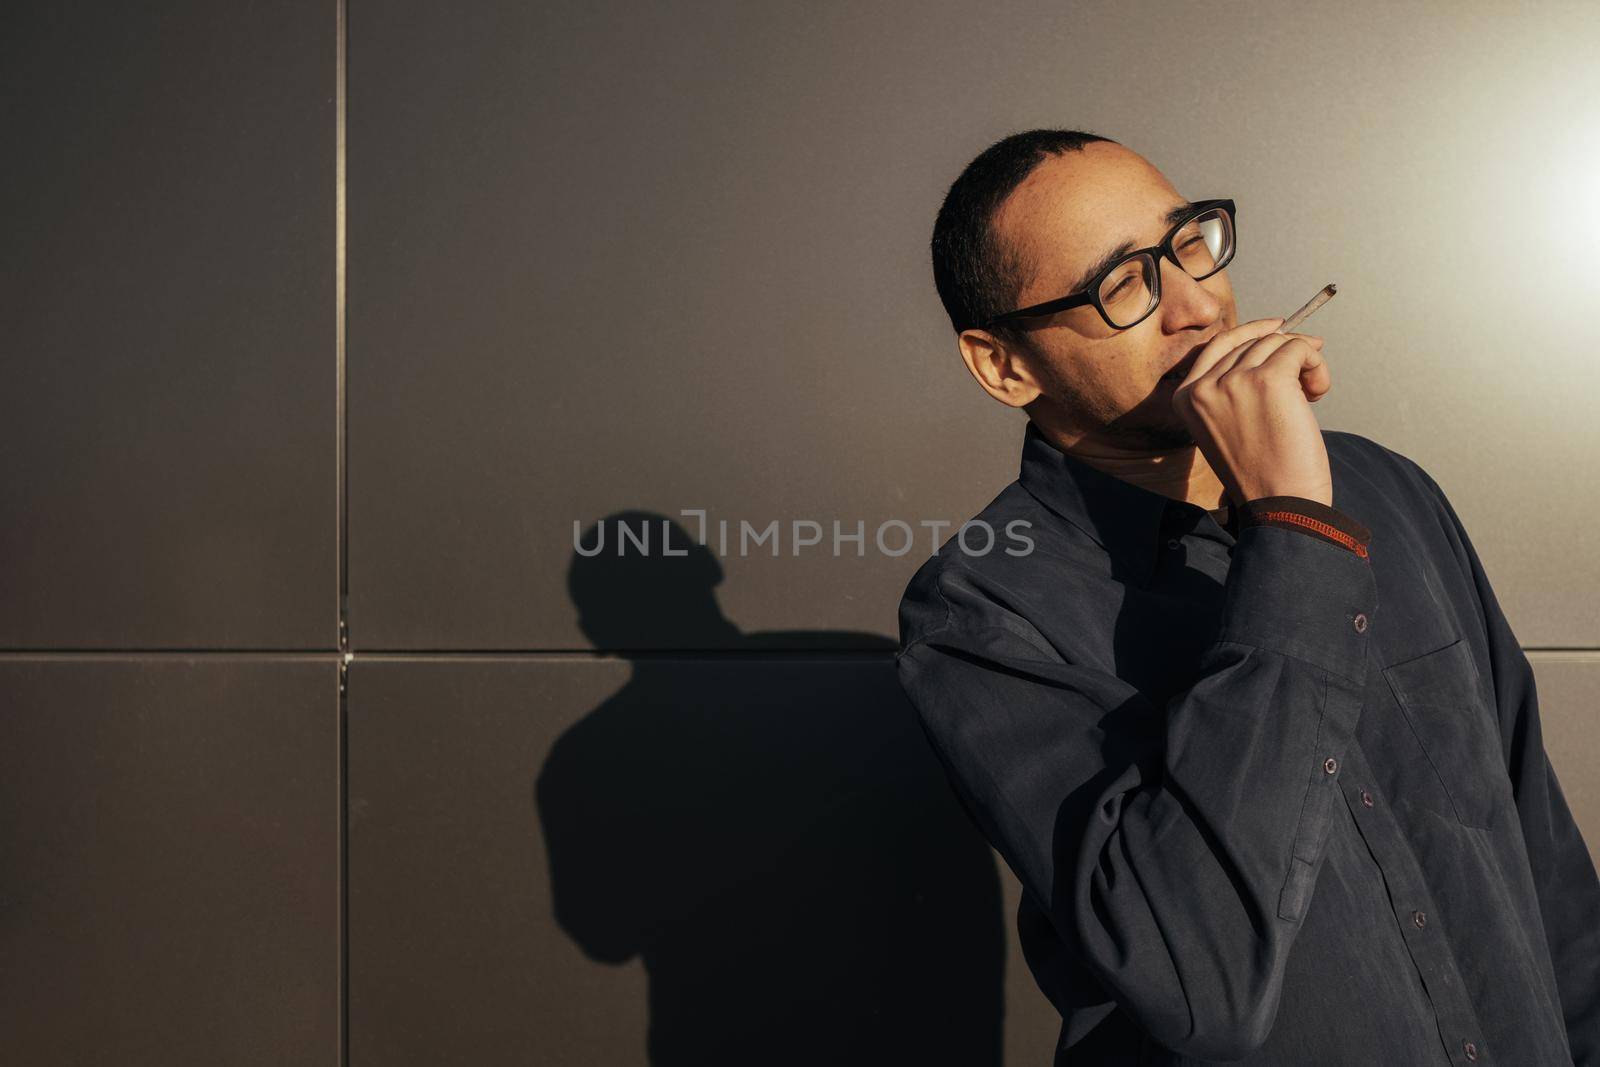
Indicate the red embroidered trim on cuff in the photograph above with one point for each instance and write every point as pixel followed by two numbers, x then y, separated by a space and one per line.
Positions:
pixel 1327 530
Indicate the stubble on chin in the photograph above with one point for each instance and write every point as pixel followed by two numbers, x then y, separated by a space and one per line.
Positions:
pixel 1136 429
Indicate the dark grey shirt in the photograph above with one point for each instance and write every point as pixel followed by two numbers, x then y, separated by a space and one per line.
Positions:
pixel 1270 801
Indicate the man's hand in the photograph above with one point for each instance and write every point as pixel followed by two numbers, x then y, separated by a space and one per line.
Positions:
pixel 1247 400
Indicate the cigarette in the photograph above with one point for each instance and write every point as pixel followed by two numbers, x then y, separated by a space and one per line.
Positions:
pixel 1324 295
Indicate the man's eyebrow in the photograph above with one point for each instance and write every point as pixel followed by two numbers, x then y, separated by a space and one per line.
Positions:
pixel 1171 218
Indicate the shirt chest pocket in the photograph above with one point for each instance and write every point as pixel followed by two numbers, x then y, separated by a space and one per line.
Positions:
pixel 1457 729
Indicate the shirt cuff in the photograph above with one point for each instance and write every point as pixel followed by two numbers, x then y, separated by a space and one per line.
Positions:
pixel 1302 597
pixel 1308 516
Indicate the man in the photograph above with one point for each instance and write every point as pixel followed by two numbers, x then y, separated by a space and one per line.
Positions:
pixel 1247 722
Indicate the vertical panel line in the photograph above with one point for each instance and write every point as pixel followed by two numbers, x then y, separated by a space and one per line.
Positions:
pixel 341 400
pixel 341 49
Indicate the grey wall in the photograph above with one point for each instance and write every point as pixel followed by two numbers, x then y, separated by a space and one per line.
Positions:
pixel 170 783
pixel 607 259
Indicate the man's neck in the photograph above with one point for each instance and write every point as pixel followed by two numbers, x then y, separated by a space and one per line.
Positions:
pixel 1179 473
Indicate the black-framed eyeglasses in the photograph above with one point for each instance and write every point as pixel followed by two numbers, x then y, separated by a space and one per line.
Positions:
pixel 1126 292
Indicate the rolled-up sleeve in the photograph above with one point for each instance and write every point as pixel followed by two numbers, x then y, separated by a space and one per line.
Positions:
pixel 1563 870
pixel 1174 846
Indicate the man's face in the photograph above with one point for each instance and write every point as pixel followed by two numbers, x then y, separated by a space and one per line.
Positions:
pixel 1063 220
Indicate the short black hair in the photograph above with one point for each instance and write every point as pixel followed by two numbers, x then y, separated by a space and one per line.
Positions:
pixel 977 277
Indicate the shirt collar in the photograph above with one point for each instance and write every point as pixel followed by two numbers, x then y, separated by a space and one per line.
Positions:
pixel 1125 519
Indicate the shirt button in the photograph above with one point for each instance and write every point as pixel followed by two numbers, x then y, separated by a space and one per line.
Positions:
pixel 1330 764
pixel 1360 622
pixel 1420 918
pixel 1470 1049
pixel 1366 798
pixel 1173 542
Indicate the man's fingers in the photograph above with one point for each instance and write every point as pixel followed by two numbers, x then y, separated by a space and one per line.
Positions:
pixel 1304 362
pixel 1253 354
pixel 1257 352
pixel 1226 343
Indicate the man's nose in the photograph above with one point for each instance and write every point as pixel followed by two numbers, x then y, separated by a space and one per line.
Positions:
pixel 1184 301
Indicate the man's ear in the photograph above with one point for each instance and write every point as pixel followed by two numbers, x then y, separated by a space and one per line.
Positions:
pixel 1001 369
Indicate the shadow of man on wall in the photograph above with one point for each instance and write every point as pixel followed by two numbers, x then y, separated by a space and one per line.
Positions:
pixel 760 820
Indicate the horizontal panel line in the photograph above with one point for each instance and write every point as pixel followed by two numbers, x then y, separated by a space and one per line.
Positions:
pixel 577 653
pixel 333 655
pixel 310 654
pixel 653 653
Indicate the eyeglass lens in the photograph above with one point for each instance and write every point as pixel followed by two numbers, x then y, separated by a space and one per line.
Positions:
pixel 1128 293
